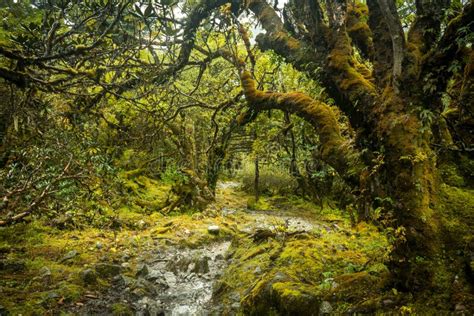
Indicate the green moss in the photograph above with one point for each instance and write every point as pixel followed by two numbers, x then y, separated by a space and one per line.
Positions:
pixel 296 272
pixel 119 309
pixel 261 204
pixel 450 175
pixel 456 208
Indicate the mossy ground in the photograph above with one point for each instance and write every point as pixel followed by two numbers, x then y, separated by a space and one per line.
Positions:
pixel 289 272
pixel 333 262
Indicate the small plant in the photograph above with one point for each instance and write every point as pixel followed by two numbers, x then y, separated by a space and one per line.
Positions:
pixel 173 175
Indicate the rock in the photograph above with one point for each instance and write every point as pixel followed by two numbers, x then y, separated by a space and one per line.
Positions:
pixel 201 265
pixel 182 310
pixel 227 211
pixel 177 264
pixel 44 271
pixel 143 286
pixel 52 295
pixel 388 302
pixel 170 279
pixel 118 280
pixel 154 275
pixel 71 254
pixel 125 265
pixel 150 307
pixel 257 270
pixel 459 307
pixel 213 229
pixel 141 224
pixel 325 308
pixel 98 245
pixel 142 271
pixel 128 281
pixel 285 297
pixel 107 270
pixel 45 275
pixel 88 276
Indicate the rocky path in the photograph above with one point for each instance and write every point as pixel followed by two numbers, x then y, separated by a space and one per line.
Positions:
pixel 177 281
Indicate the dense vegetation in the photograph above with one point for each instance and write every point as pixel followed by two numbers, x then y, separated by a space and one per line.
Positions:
pixel 124 124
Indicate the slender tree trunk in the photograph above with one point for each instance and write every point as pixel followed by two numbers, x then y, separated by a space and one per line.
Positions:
pixel 257 172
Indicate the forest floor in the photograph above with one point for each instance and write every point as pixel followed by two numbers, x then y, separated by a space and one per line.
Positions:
pixel 238 256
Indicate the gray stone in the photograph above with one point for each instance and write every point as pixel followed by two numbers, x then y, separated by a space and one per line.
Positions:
pixel 325 308
pixel 459 307
pixel 235 305
pixel 150 307
pixel 128 281
pixel 88 276
pixel 170 279
pixel 142 271
pixel 125 265
pixel 52 295
pixel 71 254
pixel 45 274
pixel 257 270
pixel 107 269
pixel 44 271
pixel 154 275
pixel 388 302
pixel 213 229
pixel 141 224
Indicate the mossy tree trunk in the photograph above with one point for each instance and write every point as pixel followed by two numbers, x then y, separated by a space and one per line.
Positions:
pixel 387 83
pixel 193 192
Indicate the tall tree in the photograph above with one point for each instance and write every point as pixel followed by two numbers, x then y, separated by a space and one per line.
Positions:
pixel 385 77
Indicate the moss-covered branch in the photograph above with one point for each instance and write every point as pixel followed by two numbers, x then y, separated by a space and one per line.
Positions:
pixel 336 150
pixel 358 30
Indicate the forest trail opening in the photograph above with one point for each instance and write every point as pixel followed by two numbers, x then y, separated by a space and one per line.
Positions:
pixel 281 254
pixel 174 280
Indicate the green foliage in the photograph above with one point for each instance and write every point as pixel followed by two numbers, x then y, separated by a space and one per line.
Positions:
pixel 173 175
pixel 274 179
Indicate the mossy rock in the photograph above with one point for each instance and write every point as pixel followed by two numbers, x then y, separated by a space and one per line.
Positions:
pixel 119 309
pixel 107 269
pixel 280 295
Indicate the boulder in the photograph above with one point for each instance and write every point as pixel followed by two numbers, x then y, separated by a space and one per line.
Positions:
pixel 213 229
pixel 88 276
pixel 107 269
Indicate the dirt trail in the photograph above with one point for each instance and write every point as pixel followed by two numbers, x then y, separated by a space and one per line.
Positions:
pixel 178 281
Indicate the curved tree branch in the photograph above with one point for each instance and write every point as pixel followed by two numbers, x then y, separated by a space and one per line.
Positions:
pixel 336 150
